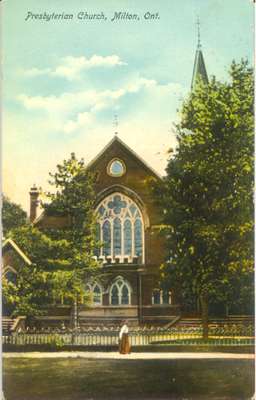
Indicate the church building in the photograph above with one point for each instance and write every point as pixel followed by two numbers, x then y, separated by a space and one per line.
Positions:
pixel 128 226
pixel 133 250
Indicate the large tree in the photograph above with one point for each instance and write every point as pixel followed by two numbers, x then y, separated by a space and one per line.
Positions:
pixel 63 256
pixel 207 195
pixel 73 197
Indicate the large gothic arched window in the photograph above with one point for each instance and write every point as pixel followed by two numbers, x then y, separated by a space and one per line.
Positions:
pixel 120 228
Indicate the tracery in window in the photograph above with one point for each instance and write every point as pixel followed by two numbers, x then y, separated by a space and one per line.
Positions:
pixel 120 293
pixel 120 228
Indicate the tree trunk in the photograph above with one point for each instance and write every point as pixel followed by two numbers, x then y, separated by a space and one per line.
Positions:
pixel 205 312
pixel 75 321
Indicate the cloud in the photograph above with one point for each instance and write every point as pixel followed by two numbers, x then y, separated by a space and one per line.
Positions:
pixel 75 121
pixel 35 72
pixel 71 67
pixel 72 111
pixel 69 101
pixel 149 138
pixel 81 120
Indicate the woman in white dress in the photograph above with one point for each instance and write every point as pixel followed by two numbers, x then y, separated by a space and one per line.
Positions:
pixel 124 344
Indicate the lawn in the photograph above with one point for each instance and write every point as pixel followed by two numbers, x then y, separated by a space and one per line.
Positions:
pixel 82 379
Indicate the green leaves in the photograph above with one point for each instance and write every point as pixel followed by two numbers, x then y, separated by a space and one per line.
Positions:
pixel 208 192
pixel 63 254
pixel 13 215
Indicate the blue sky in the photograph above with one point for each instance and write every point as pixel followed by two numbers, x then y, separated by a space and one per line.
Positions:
pixel 64 80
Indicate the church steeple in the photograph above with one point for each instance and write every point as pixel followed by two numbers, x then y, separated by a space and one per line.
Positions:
pixel 199 71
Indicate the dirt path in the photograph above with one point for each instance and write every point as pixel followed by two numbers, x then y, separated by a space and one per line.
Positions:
pixel 132 356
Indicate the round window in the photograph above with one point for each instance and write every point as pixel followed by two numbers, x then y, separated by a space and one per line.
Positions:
pixel 116 168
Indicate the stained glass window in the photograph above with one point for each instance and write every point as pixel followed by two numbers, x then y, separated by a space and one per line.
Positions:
pixel 114 295
pixel 127 237
pixel 165 297
pixel 120 293
pixel 125 295
pixel 161 296
pixel 96 295
pixel 95 292
pixel 122 229
pixel 133 209
pixel 101 210
pixel 138 237
pixel 106 238
pixel 117 204
pixel 117 236
pixel 156 297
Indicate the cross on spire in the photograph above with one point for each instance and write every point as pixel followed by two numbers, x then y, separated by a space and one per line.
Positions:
pixel 115 123
pixel 198 33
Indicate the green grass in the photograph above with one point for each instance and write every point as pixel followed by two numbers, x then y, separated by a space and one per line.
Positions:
pixel 82 379
pixel 210 341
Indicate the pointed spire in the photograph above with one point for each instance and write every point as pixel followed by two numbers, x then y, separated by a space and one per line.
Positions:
pixel 199 71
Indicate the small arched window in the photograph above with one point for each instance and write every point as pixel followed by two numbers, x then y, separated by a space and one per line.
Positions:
pixel 120 293
pixel 97 295
pixel 161 296
pixel 156 297
pixel 10 275
pixel 114 295
pixel 95 292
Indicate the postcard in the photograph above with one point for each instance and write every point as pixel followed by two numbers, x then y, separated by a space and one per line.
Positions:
pixel 127 199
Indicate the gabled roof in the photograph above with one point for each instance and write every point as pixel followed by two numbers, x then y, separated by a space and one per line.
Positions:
pixel 10 242
pixel 116 139
pixel 199 71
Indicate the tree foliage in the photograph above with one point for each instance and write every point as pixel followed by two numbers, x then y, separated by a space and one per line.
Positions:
pixel 208 193
pixel 63 257
pixel 74 197
pixel 13 215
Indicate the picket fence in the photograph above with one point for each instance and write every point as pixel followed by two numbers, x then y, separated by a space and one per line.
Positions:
pixel 110 338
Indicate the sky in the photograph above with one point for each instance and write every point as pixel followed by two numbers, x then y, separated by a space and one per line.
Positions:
pixel 64 80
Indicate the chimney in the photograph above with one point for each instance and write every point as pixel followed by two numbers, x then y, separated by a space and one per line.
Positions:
pixel 34 194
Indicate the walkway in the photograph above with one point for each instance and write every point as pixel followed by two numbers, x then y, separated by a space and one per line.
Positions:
pixel 132 356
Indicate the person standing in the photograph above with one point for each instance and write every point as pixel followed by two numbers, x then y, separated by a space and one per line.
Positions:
pixel 124 344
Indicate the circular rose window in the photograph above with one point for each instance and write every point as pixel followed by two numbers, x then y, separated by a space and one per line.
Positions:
pixel 116 168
